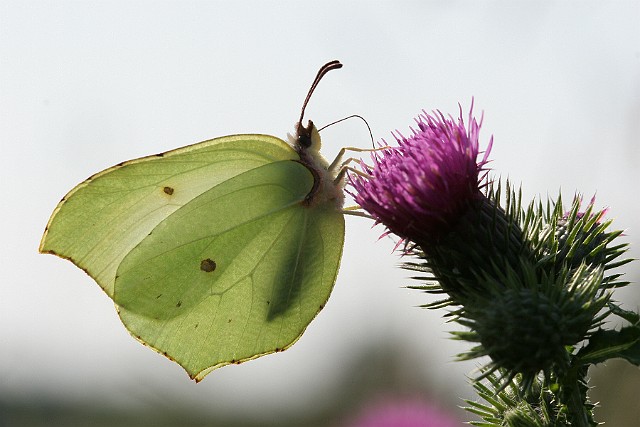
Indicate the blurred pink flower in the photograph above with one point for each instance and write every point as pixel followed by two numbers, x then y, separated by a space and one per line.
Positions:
pixel 397 412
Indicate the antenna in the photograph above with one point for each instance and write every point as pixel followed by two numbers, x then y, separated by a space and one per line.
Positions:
pixel 332 65
pixel 353 116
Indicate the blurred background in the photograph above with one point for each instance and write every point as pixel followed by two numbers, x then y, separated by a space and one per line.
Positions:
pixel 86 84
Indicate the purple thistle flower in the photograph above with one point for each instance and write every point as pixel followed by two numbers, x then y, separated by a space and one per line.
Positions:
pixel 420 188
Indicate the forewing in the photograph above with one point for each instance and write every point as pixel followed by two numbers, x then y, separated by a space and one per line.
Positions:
pixel 102 219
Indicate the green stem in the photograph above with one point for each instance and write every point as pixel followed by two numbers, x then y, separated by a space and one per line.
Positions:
pixel 573 393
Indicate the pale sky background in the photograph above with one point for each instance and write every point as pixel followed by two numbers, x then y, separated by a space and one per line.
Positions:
pixel 85 85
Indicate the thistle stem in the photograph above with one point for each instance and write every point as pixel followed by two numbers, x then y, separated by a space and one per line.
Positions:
pixel 574 394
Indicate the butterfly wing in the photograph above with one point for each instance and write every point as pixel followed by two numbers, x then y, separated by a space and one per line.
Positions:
pixel 209 251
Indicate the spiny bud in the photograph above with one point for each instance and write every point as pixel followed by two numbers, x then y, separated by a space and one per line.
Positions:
pixel 527 328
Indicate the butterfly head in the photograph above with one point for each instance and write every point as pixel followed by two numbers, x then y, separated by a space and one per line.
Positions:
pixel 307 138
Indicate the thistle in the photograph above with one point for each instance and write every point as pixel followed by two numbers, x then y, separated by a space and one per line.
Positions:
pixel 531 284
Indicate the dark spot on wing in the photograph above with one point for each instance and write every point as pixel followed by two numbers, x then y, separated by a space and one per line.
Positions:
pixel 168 190
pixel 179 304
pixel 207 265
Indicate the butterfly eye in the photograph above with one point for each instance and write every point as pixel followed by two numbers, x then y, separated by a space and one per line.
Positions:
pixel 303 138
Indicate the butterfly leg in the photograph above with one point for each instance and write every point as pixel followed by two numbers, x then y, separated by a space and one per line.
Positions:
pixel 339 164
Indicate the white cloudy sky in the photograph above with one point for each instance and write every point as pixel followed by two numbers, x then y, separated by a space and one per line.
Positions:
pixel 87 84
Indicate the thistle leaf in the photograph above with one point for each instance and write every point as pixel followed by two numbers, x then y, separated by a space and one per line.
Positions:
pixel 609 344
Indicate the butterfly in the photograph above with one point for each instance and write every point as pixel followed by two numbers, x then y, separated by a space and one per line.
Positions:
pixel 215 253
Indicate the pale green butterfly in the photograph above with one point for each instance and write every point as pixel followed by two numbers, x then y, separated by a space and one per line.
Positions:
pixel 215 253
